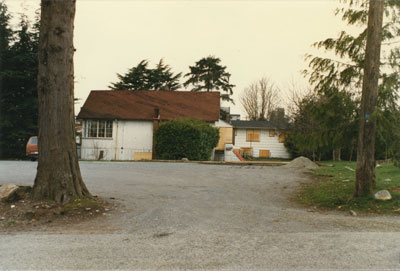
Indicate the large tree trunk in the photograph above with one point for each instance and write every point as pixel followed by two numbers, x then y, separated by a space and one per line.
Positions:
pixel 365 172
pixel 58 176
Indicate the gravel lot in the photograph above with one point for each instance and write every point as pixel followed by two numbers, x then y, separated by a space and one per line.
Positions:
pixel 186 215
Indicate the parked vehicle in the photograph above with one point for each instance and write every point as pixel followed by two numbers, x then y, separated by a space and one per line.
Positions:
pixel 32 150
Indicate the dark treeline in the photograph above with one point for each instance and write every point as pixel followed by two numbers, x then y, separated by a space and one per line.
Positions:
pixel 18 73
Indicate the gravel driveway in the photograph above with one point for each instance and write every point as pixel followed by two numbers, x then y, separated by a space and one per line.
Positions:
pixel 186 215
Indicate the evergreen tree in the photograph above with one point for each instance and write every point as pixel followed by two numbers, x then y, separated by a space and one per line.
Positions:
pixel 208 75
pixel 345 71
pixel 18 97
pixel 141 77
pixel 323 126
pixel 5 40
pixel 162 78
pixel 5 37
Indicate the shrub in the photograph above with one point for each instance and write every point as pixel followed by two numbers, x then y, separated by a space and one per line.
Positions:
pixel 185 138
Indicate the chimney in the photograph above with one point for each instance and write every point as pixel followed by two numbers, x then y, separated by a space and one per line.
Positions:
pixel 156 112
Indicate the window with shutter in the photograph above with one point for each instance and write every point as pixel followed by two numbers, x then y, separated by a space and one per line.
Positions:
pixel 253 136
pixel 271 133
pixel 282 138
pixel 264 153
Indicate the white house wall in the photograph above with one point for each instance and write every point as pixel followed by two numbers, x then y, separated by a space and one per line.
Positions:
pixel 277 149
pixel 128 137
pixel 134 136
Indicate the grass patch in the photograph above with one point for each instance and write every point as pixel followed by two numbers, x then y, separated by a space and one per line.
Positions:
pixel 11 222
pixel 334 184
pixel 81 204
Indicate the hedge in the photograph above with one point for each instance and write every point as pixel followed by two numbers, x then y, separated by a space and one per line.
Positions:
pixel 185 138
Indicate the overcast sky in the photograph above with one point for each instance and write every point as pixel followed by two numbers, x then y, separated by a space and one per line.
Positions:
pixel 252 38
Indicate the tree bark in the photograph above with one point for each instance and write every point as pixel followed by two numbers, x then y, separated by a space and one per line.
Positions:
pixel 351 151
pixel 337 154
pixel 365 171
pixel 58 175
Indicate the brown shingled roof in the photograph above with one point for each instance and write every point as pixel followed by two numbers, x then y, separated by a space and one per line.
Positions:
pixel 140 105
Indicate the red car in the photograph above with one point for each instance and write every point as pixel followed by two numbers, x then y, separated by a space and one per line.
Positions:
pixel 32 150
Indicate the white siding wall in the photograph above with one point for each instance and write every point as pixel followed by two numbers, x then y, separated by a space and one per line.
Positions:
pixel 91 147
pixel 134 136
pixel 128 137
pixel 229 156
pixel 277 149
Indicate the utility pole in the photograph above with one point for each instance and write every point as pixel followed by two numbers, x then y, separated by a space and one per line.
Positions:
pixel 365 171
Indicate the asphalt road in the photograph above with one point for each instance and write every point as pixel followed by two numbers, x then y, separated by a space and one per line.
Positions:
pixel 192 216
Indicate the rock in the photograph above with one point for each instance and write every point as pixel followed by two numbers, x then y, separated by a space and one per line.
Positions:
pixel 353 213
pixel 12 192
pixel 383 195
pixel 387 180
pixel 7 192
pixel 346 181
pixel 185 159
pixel 302 162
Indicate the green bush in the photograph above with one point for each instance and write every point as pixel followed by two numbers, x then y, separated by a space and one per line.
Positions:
pixel 185 138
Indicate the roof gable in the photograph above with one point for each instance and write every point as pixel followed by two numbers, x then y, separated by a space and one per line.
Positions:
pixel 140 105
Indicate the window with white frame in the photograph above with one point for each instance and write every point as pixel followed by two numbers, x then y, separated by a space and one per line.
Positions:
pixel 98 128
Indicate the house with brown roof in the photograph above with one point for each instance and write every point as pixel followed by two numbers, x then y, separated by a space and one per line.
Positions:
pixel 119 124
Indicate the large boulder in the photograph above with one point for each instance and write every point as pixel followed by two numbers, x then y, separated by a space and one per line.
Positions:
pixel 7 191
pixel 383 195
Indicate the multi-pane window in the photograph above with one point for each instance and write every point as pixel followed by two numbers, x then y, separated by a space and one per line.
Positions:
pixel 92 128
pixel 98 128
pixel 102 129
pixel 109 125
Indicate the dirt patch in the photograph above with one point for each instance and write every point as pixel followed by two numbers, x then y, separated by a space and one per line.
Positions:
pixel 302 162
pixel 27 215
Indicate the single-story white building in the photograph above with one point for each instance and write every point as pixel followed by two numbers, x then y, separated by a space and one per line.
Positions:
pixel 119 124
pixel 261 139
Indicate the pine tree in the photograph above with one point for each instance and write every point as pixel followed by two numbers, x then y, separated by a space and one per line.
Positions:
pixel 208 75
pixel 141 77
pixel 18 98
pixel 344 72
pixel 5 40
